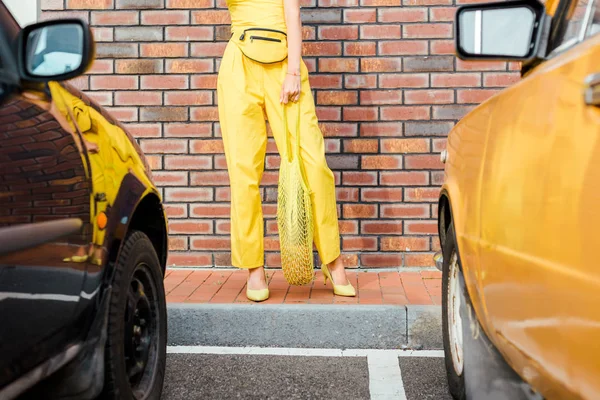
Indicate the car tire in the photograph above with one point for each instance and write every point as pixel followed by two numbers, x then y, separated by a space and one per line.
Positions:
pixel 452 330
pixel 135 355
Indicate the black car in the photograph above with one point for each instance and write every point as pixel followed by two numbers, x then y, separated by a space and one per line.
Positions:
pixel 83 232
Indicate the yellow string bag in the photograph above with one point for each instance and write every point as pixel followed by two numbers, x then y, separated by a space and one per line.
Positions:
pixel 294 213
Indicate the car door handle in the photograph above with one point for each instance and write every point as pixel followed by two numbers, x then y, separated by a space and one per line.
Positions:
pixel 592 90
pixel 21 237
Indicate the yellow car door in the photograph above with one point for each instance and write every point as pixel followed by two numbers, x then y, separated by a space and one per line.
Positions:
pixel 539 217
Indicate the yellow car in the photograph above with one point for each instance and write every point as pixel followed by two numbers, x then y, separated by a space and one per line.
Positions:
pixel 519 209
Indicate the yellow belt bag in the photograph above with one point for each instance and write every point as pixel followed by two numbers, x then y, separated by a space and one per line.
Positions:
pixel 294 213
pixel 266 46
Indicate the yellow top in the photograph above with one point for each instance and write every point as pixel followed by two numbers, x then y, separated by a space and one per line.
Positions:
pixel 256 14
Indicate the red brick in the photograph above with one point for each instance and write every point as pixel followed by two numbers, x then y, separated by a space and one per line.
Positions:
pixel 187 66
pixel 208 49
pixel 430 96
pixel 113 82
pixel 329 113
pixel 361 146
pixel 190 4
pixel 163 146
pixel 480 65
pixel 419 260
pixel 381 129
pixel 342 97
pixel 404 243
pixel 404 178
pixel 421 227
pixel 442 47
pixel 188 130
pixel 392 81
pixel 404 113
pixel 360 113
pixel 402 47
pixel 102 67
pixel 359 211
pixel 500 79
pixel 100 18
pixel 207 146
pixel 442 14
pixel 210 210
pixel 177 243
pixel 190 259
pixel 165 17
pixel 428 194
pixel 400 14
pixel 204 82
pixel 352 178
pixel 359 243
pixel 188 163
pixel 337 129
pixel 405 211
pixel 189 33
pixel 337 3
pixel 426 2
pixel 325 81
pixel 381 227
pixel 381 162
pixel 124 114
pixel 380 31
pixel 455 80
pixel 153 82
pixel 188 194
pixel 475 96
pixel 220 178
pixel 136 67
pixel 166 50
pixel 376 97
pixel 360 16
pixel 381 64
pixel 103 34
pixel 423 162
pixel 360 48
pixel 338 65
pixel 347 32
pixel 176 210
pixel 361 81
pixel 375 260
pixel 204 114
pixel 138 98
pixel 405 146
pixel 429 31
pixel 310 49
pixel 170 178
pixel 192 98
pixel 381 195
pixel 347 194
pixel 210 17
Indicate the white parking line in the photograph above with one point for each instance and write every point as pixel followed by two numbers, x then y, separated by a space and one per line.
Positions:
pixel 302 352
pixel 385 377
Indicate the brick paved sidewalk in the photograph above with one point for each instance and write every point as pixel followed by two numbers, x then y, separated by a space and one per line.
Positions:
pixel 229 286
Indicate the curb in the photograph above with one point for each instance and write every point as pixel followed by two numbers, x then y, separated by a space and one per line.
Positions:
pixel 305 326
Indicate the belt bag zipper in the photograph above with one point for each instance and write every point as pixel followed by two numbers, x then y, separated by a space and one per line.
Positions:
pixel 243 36
pixel 268 39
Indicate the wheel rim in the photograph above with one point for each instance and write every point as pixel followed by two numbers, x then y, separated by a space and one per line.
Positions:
pixel 141 338
pixel 454 319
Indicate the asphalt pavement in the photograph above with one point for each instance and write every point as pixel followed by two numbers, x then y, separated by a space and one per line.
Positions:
pixel 304 352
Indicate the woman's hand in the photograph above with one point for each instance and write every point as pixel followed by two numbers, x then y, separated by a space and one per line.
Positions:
pixel 290 89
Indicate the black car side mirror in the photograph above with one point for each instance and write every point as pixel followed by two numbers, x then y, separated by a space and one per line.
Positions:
pixel 55 50
pixel 508 30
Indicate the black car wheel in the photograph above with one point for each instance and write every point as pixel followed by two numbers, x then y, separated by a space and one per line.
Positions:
pixel 137 326
pixel 452 300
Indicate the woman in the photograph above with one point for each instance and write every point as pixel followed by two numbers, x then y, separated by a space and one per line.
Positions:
pixel 247 91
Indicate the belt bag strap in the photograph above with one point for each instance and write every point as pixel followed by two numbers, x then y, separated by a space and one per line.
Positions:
pixel 263 45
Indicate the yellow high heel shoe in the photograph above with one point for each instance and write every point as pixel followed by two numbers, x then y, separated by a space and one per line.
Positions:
pixel 340 290
pixel 257 295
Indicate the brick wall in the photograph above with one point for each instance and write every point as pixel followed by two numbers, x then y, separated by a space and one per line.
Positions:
pixel 387 87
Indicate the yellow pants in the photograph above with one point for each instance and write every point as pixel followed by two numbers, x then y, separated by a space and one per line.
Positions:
pixel 248 90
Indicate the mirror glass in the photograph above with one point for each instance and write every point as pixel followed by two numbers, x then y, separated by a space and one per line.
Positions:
pixel 500 32
pixel 54 50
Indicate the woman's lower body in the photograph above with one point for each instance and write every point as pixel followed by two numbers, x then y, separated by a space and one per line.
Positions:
pixel 248 92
